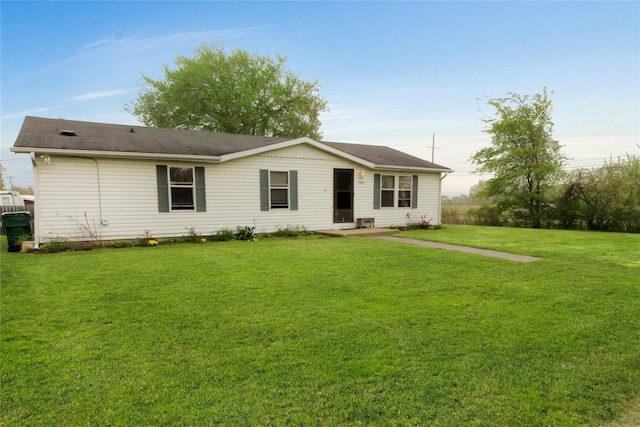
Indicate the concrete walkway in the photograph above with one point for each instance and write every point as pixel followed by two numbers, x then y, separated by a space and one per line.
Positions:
pixel 362 232
pixel 465 249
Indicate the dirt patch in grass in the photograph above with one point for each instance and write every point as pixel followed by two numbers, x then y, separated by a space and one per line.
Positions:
pixel 631 418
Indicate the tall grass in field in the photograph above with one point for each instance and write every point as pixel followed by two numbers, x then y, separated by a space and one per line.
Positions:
pixel 322 331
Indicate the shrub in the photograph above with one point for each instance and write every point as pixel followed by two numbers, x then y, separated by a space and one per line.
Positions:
pixel 55 247
pixel 292 231
pixel 144 240
pixel 485 215
pixel 223 235
pixel 193 236
pixel 124 244
pixel 245 233
pixel 421 224
pixel 450 215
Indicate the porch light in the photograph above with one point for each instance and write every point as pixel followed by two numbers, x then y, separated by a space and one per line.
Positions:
pixel 361 174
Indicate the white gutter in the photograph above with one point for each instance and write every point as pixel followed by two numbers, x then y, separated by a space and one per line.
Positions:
pixel 36 215
pixel 409 168
pixel 102 221
pixel 216 159
pixel 440 199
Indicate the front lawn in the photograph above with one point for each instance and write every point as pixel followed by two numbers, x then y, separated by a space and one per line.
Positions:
pixel 325 331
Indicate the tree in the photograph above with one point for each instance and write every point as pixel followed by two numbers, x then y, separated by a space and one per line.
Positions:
pixel 235 93
pixel 605 198
pixel 2 177
pixel 523 157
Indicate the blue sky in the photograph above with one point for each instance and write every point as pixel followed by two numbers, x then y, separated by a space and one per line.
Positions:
pixel 394 73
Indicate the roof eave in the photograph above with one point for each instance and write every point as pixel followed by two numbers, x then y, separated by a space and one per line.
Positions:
pixel 219 159
pixel 293 142
pixel 412 168
pixel 115 154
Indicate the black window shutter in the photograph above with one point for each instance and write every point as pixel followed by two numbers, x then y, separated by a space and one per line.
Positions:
pixel 264 190
pixel 163 188
pixel 201 203
pixel 376 191
pixel 414 193
pixel 293 190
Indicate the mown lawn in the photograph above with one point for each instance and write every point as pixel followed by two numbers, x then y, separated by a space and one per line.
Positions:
pixel 325 331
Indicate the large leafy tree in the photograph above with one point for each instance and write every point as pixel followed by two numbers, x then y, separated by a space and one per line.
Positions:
pixel 523 157
pixel 237 92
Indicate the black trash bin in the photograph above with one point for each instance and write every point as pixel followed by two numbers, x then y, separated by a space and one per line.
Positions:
pixel 17 225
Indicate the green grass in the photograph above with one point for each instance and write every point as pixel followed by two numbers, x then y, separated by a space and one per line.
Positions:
pixel 325 331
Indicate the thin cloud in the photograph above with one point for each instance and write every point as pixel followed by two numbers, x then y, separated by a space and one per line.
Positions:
pixel 136 44
pixel 30 112
pixel 100 94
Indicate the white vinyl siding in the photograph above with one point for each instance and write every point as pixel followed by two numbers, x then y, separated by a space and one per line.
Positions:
pixel 118 199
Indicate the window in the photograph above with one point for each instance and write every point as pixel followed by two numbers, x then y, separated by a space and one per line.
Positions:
pixel 395 191
pixel 388 189
pixel 279 189
pixel 181 187
pixel 404 191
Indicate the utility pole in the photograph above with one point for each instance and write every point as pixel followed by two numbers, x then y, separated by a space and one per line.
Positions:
pixel 433 147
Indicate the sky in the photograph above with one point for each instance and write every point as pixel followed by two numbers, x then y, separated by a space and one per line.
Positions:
pixel 393 73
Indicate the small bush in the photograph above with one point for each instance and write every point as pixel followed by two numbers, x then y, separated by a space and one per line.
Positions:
pixel 124 244
pixel 245 233
pixel 292 231
pixel 55 247
pixel 421 224
pixel 223 235
pixel 144 240
pixel 193 236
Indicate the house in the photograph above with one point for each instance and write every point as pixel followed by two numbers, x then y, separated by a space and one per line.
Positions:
pixel 111 182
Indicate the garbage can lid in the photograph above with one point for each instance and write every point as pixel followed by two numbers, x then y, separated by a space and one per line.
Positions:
pixel 19 213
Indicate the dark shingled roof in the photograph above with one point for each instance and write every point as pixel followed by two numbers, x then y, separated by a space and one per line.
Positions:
pixel 41 133
pixel 37 132
pixel 383 156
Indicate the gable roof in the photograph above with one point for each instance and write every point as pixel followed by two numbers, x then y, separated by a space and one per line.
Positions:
pixel 78 138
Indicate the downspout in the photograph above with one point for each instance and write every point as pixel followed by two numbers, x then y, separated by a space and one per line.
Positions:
pixel 440 199
pixel 102 222
pixel 36 215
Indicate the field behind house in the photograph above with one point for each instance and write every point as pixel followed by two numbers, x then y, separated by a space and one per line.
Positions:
pixel 457 213
pixel 325 331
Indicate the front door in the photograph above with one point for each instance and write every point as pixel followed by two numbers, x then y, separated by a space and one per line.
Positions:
pixel 342 195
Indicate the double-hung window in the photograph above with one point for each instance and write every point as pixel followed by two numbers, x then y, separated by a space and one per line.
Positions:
pixel 404 191
pixel 398 191
pixel 279 189
pixel 181 188
pixel 388 190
